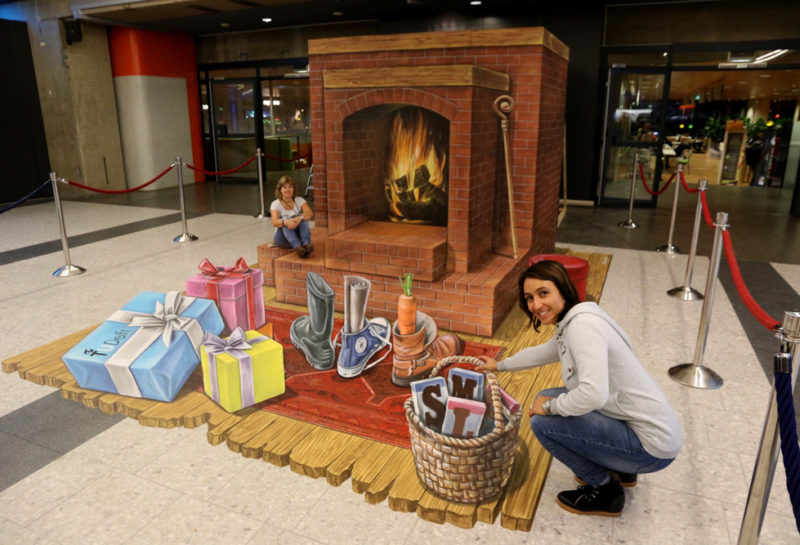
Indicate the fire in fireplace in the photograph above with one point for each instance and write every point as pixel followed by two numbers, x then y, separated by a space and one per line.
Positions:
pixel 415 179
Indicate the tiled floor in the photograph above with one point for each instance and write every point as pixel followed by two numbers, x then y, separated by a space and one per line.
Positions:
pixel 71 475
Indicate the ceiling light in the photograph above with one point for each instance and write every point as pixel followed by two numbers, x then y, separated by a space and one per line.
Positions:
pixel 475 3
pixel 224 25
pixel 337 13
pixel 267 19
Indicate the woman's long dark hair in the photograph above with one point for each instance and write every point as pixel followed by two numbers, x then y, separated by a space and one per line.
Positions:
pixel 557 274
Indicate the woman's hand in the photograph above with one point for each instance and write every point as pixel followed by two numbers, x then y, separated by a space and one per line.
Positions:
pixel 536 408
pixel 293 223
pixel 489 363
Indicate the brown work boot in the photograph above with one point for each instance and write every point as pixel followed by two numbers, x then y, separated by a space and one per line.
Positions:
pixel 415 355
pixel 300 251
pixel 309 248
pixel 446 345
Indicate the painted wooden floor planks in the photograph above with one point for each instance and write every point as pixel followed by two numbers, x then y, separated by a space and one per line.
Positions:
pixel 377 470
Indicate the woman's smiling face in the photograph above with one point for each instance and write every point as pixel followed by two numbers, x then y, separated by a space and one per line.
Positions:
pixel 287 190
pixel 544 300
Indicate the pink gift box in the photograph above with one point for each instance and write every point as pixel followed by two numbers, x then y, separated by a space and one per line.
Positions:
pixel 236 290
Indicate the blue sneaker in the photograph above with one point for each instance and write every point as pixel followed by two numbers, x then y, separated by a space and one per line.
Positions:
pixel 359 347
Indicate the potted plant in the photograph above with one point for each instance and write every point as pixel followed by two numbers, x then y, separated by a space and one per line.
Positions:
pixel 714 131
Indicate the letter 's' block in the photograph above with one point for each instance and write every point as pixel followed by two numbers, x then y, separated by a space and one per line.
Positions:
pixel 430 396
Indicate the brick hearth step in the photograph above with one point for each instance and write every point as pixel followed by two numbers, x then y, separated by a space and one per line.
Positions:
pixel 389 249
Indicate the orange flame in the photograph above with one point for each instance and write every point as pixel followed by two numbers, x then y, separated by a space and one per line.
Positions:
pixel 412 148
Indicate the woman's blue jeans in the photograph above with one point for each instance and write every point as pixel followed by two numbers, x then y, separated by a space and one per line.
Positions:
pixel 292 238
pixel 592 443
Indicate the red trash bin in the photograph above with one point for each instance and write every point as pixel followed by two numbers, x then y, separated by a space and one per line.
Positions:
pixel 577 269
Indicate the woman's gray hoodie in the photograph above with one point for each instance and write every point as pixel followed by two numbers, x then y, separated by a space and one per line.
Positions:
pixel 602 374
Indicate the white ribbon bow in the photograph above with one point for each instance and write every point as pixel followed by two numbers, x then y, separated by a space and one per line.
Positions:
pixel 237 341
pixel 167 316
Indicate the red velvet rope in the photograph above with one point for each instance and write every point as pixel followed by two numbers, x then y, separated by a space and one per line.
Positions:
pixel 706 213
pixel 132 189
pixel 686 187
pixel 660 191
pixel 221 172
pixel 764 319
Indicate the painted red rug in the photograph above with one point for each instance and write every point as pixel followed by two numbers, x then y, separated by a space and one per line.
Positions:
pixel 368 405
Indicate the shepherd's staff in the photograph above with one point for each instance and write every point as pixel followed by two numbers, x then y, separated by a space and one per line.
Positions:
pixel 503 105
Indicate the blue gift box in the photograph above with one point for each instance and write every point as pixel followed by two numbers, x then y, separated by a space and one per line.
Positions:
pixel 149 348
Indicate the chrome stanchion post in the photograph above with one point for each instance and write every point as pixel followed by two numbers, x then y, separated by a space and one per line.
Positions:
pixel 767 457
pixel 686 291
pixel 670 248
pixel 185 236
pixel 261 214
pixel 695 374
pixel 68 269
pixel 629 223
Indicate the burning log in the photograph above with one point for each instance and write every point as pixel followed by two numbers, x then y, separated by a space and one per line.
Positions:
pixel 420 201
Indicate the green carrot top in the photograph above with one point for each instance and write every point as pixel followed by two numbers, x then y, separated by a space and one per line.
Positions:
pixel 405 283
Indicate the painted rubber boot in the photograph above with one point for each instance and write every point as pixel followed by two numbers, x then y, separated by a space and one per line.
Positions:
pixel 312 334
pixel 359 347
pixel 419 352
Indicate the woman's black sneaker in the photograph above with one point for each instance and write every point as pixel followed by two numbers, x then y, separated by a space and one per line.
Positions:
pixel 627 480
pixel 606 500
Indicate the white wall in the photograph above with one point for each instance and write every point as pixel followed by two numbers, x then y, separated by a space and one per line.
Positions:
pixel 154 124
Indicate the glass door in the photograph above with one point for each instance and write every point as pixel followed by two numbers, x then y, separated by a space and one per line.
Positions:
pixel 235 127
pixel 634 125
pixel 286 124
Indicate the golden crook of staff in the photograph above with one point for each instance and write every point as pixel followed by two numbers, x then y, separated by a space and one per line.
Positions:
pixel 504 105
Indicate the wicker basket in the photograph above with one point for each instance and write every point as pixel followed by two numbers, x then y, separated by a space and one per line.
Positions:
pixel 465 470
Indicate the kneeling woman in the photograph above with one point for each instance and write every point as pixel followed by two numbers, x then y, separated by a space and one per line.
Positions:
pixel 290 215
pixel 612 421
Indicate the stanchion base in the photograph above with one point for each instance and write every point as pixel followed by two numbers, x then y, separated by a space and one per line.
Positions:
pixel 687 293
pixel 628 224
pixel 69 270
pixel 669 249
pixel 185 237
pixel 696 376
pixel 261 215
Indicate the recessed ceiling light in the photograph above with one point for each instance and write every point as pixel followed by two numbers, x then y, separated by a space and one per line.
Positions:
pixel 475 3
pixel 224 25
pixel 337 13
pixel 267 19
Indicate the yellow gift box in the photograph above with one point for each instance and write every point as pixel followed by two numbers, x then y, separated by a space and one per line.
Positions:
pixel 243 369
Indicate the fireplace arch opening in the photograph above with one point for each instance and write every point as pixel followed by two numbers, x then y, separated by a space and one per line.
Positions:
pixel 396 164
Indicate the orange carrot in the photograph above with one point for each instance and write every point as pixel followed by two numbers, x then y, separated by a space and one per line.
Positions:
pixel 406 307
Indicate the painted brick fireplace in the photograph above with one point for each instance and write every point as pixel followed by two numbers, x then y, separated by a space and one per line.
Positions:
pixel 464 271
